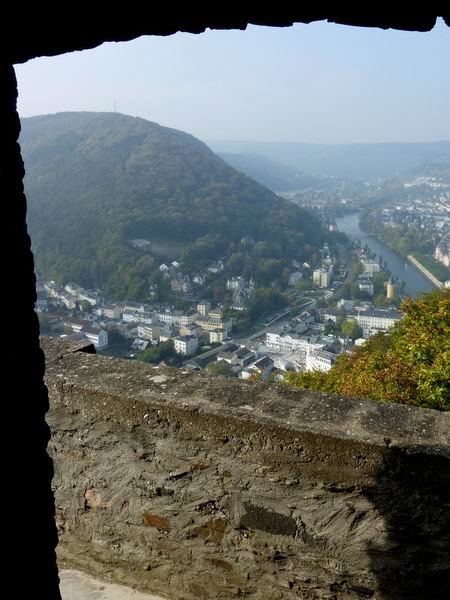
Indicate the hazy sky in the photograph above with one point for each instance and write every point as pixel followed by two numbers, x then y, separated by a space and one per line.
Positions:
pixel 320 83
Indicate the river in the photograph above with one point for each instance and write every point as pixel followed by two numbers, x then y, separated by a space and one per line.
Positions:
pixel 415 281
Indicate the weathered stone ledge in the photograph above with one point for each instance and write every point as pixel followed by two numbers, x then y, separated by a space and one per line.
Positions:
pixel 201 487
pixel 276 404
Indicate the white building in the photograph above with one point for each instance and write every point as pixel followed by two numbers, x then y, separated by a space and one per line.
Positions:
pixel 236 284
pixel 261 367
pixel 188 318
pixel 217 335
pixel 99 337
pixel 68 299
pixel 203 307
pixel 211 323
pixel 216 313
pixel 365 284
pixel 177 317
pixel 149 332
pixel 140 344
pixel 199 278
pixel 75 325
pixel 345 304
pixel 73 288
pixel 291 343
pixel 375 319
pixel 136 316
pixel 135 306
pixel 91 296
pixel 237 357
pixel 322 277
pixel 112 311
pixel 370 266
pixel 186 344
pixel 320 360
pixel 290 362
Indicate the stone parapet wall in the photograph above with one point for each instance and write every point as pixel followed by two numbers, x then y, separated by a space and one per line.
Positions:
pixel 200 487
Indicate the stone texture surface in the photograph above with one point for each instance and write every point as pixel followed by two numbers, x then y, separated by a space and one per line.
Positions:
pixel 201 487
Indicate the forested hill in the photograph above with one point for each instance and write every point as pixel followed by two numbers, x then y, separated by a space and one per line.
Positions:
pixel 94 181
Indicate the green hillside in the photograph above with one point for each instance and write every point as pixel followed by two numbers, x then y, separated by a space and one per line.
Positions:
pixel 94 181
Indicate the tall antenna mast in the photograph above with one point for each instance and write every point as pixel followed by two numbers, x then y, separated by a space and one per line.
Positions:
pixel 115 106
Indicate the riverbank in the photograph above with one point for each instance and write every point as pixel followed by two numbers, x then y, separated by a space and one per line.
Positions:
pixel 405 271
pixel 426 272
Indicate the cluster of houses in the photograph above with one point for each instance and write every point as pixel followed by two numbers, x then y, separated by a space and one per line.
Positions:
pixel 241 360
pixel 298 346
pixel 324 276
pixel 183 282
pixel 429 213
pixel 371 320
pixel 302 344
pixel 144 325
pixel 71 295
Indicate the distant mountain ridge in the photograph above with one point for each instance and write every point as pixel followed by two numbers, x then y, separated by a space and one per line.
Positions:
pixel 94 181
pixel 354 161
pixel 276 176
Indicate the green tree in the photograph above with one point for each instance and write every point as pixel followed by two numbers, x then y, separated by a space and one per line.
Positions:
pixel 265 300
pixel 220 367
pixel 235 264
pixel 351 328
pixel 158 353
pixel 86 306
pixel 330 327
pixel 115 337
pixel 357 268
pixel 303 285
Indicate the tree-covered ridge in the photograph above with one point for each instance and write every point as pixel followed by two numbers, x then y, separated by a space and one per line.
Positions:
pixel 410 365
pixel 96 180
